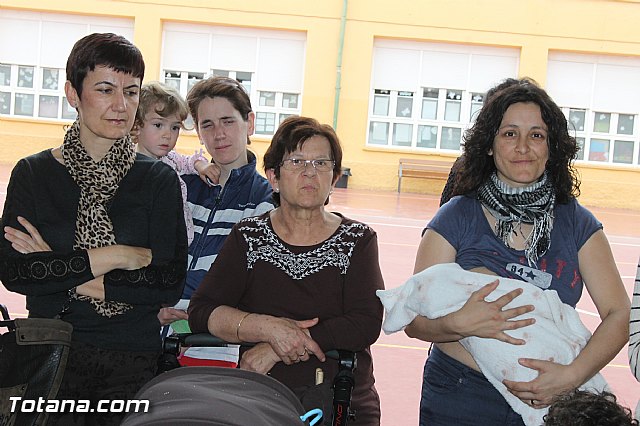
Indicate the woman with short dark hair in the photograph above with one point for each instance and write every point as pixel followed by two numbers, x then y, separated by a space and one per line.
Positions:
pixel 95 234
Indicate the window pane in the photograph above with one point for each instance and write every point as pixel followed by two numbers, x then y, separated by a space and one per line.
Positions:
pixel 289 100
pixel 601 122
pixel 452 111
pixel 245 79
pixel 477 97
pixel 429 108
pixel 50 78
pixel 193 78
pixel 404 106
pixel 267 98
pixel 67 111
pixel 284 116
pixel 189 124
pixel 381 105
pixel 378 133
pixel 430 92
pixel 429 103
pixel 454 95
pixel 576 118
pixel 451 137
pixel 402 134
pixel 24 104
pixel 5 102
pixel 599 150
pixel 172 79
pixel 475 108
pixel 243 76
pixel 25 77
pixel 427 136
pixel 625 125
pixel 265 123
pixel 580 155
pixel 623 152
pixel 48 106
pixel 220 73
pixel 477 100
pixel 5 75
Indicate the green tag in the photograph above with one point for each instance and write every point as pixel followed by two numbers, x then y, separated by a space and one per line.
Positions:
pixel 181 326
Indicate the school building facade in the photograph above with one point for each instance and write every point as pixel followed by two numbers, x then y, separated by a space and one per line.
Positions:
pixel 397 79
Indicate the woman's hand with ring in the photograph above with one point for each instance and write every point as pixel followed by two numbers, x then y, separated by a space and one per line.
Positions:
pixel 553 379
pixel 304 356
pixel 291 340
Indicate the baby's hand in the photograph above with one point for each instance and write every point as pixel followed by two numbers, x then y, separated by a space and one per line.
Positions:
pixel 169 315
pixel 209 172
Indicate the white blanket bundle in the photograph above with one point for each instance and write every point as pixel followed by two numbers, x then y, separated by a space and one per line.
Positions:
pixel 557 335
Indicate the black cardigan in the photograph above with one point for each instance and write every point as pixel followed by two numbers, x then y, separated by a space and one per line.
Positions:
pixel 146 211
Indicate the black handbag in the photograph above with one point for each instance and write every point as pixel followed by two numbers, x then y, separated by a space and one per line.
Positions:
pixel 33 357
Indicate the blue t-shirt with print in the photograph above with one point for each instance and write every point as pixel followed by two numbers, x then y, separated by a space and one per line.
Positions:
pixel 463 224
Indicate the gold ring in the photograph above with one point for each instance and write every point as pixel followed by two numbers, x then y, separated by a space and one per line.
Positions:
pixel 533 402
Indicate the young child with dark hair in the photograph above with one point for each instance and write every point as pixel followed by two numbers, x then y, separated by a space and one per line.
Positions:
pixel 581 408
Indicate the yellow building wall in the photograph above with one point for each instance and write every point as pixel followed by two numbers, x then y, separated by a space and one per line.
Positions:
pixel 535 27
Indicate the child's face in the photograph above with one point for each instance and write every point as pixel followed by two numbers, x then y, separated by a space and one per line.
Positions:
pixel 159 134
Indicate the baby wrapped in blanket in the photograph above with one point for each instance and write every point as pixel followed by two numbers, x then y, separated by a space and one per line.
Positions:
pixel 558 335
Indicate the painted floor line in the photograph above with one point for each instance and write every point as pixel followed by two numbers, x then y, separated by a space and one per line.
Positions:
pixel 386 345
pixel 593 314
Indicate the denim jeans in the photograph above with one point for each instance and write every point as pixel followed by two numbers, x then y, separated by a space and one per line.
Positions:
pixel 454 394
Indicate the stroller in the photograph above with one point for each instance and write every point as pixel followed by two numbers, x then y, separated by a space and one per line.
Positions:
pixel 229 396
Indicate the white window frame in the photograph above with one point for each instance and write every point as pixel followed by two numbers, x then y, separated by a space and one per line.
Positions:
pixel 250 67
pixel 37 57
pixel 582 70
pixel 588 134
pixel 411 58
pixel 63 110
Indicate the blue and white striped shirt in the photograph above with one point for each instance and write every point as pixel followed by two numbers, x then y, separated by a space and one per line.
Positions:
pixel 215 210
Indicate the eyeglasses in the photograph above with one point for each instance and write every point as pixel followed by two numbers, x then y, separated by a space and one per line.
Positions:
pixel 297 164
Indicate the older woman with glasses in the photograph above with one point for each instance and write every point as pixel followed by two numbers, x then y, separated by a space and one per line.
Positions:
pixel 299 280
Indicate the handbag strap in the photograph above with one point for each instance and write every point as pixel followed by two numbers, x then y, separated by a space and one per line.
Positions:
pixel 39 331
pixel 6 321
pixel 5 312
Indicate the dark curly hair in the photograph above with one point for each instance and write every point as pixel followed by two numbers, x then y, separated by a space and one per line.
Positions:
pixel 478 165
pixel 582 408
pixel 292 133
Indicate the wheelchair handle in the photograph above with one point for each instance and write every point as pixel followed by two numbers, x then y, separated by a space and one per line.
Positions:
pixel 209 340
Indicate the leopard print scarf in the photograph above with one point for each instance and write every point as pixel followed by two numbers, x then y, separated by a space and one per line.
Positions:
pixel 98 182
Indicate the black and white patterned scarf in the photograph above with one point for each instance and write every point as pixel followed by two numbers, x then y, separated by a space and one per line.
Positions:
pixel 511 207
pixel 98 182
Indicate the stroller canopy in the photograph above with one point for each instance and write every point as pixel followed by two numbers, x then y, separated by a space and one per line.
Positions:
pixel 216 396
